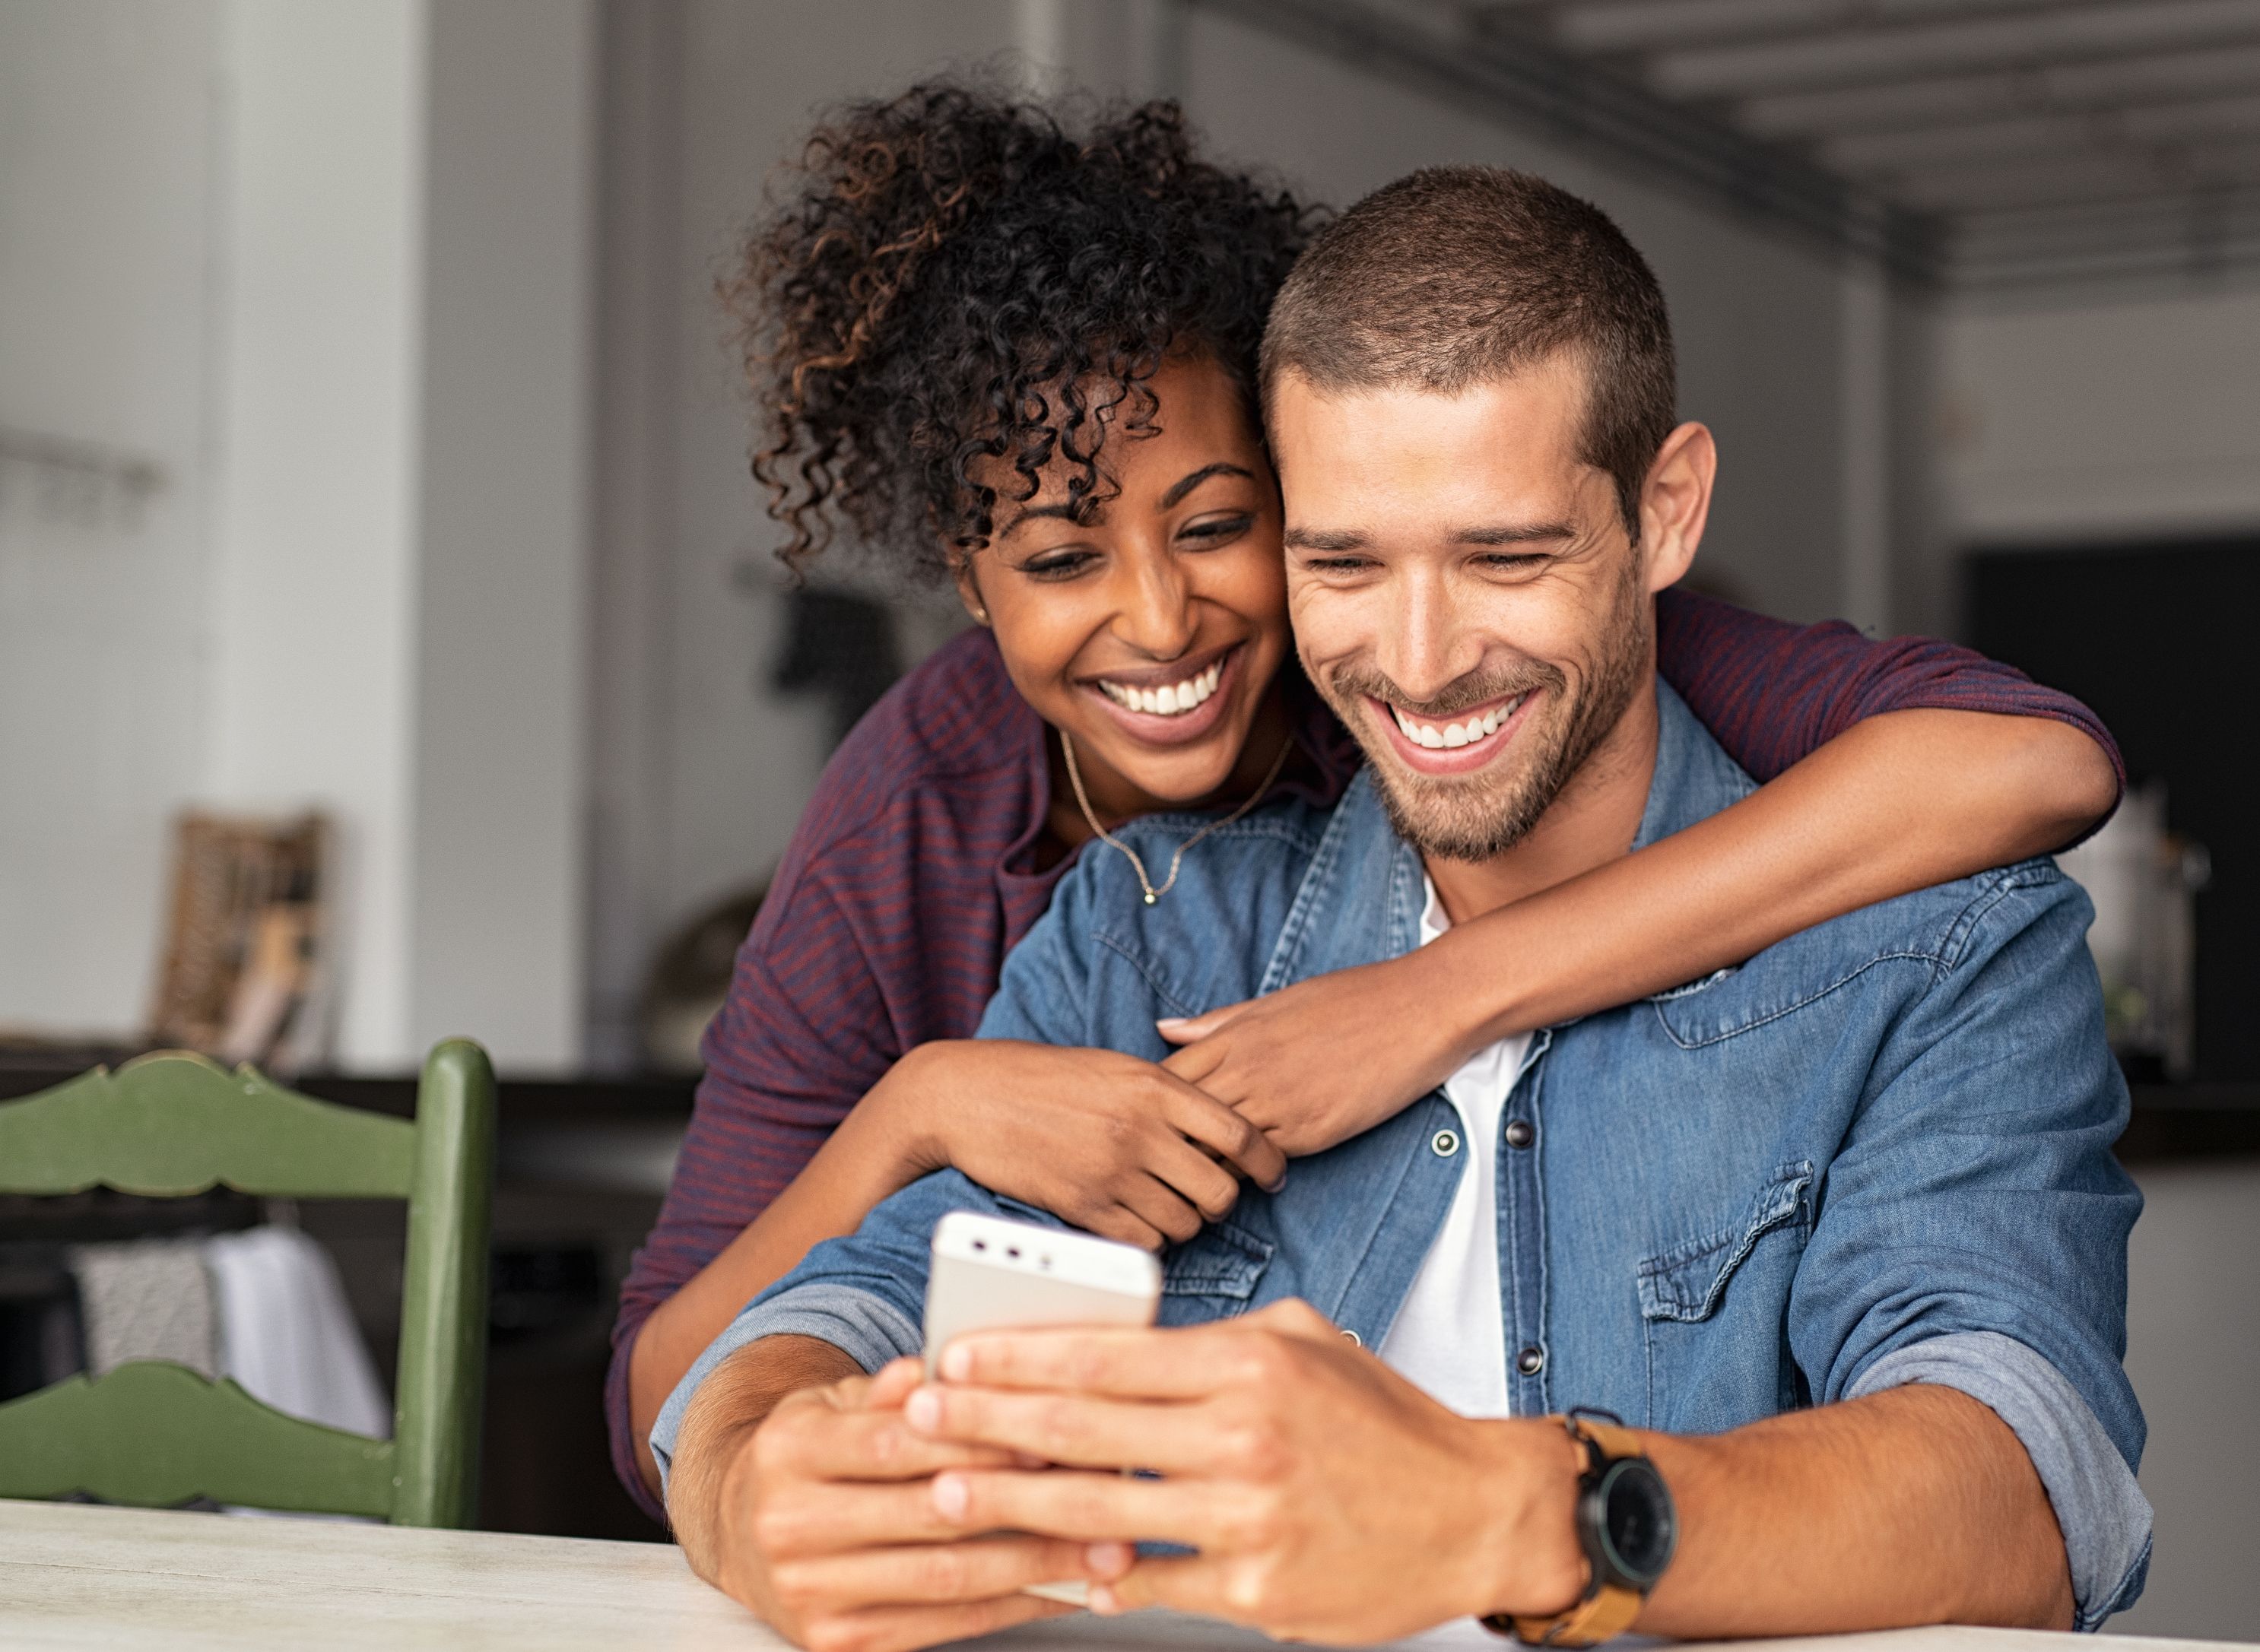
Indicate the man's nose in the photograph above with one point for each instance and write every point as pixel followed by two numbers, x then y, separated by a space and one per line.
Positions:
pixel 1155 616
pixel 1426 647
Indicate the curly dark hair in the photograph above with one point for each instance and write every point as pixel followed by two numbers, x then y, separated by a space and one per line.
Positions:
pixel 956 276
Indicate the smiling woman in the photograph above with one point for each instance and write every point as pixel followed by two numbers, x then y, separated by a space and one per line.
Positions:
pixel 1024 356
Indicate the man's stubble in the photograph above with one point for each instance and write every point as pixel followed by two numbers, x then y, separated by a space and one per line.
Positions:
pixel 1483 816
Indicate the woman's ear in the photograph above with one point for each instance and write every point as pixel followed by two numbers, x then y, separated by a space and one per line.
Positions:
pixel 968 592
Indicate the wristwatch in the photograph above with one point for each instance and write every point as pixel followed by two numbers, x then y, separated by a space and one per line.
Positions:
pixel 1626 1527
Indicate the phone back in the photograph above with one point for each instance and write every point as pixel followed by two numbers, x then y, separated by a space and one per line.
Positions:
pixel 990 1274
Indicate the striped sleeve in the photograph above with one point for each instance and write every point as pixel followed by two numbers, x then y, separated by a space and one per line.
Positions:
pixel 804 1032
pixel 1771 693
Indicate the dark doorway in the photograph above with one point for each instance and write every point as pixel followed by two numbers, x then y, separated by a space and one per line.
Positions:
pixel 2155 638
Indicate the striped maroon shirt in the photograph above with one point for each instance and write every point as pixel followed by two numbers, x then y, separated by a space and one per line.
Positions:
pixel 911 875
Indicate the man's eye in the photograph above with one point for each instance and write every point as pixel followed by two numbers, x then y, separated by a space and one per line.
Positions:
pixel 1511 562
pixel 1215 530
pixel 1338 564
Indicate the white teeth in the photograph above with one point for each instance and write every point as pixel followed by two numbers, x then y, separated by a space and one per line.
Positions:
pixel 1451 736
pixel 1172 700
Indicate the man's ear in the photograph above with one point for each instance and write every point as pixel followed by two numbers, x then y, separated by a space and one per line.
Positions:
pixel 968 592
pixel 1674 502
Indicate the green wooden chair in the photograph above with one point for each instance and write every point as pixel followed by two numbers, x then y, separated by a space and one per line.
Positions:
pixel 154 1433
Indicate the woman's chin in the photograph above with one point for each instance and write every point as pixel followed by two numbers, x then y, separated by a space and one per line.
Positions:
pixel 1186 776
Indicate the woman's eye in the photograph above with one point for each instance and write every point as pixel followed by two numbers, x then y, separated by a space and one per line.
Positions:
pixel 1215 530
pixel 1058 564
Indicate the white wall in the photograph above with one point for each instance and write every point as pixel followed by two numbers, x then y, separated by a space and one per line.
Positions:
pixel 2193 1346
pixel 346 303
pixel 508 361
pixel 106 246
pixel 2105 420
pixel 319 393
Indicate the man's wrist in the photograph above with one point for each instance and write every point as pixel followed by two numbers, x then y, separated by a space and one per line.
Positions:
pixel 1527 1561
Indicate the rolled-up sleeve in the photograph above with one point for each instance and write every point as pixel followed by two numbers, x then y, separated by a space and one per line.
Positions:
pixel 864 1294
pixel 868 1328
pixel 1972 1228
pixel 2102 1513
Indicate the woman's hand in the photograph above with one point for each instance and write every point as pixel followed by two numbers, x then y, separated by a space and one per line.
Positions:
pixel 1315 1063
pixel 1115 1145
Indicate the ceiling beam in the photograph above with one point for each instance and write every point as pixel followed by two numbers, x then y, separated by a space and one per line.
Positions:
pixel 1629 26
pixel 2069 88
pixel 1875 155
pixel 2071 180
pixel 1866 57
pixel 1569 99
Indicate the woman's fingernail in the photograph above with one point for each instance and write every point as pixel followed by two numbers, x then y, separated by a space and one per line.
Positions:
pixel 1168 1021
pixel 924 1409
pixel 957 1362
pixel 951 1495
pixel 1108 1560
pixel 1103 1601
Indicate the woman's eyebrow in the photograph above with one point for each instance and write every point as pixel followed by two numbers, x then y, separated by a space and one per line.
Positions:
pixel 1170 499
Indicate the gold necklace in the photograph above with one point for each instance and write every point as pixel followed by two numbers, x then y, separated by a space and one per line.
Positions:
pixel 1075 776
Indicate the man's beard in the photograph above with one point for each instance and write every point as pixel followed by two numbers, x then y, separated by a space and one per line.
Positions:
pixel 1475 816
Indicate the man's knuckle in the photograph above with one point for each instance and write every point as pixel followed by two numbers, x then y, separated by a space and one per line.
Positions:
pixel 777 1527
pixel 834 1634
pixel 943 1574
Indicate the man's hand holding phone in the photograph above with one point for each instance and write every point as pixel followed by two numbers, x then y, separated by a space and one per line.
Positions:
pixel 826 1525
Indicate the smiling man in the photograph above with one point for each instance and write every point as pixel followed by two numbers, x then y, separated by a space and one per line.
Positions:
pixel 1835 1237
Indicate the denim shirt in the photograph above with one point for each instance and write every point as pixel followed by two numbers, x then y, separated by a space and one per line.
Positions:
pixel 1876 1154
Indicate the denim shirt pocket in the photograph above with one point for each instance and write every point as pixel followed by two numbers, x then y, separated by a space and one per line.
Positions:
pixel 1703 1349
pixel 1213 1275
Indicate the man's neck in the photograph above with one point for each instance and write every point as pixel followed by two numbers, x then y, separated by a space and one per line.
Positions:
pixel 1592 822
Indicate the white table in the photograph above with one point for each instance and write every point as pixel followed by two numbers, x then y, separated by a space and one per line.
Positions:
pixel 74 1576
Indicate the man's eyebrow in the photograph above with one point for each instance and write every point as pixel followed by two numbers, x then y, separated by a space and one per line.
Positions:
pixel 1319 539
pixel 1520 533
pixel 1170 499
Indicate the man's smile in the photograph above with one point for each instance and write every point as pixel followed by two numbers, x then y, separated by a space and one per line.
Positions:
pixel 1455 745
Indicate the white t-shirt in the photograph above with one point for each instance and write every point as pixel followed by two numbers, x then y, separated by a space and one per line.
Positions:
pixel 1450 1336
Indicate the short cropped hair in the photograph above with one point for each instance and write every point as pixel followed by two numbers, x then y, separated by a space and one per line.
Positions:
pixel 1458 276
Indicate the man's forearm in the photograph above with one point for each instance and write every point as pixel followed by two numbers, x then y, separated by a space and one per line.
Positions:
pixel 1915 1505
pixel 733 1402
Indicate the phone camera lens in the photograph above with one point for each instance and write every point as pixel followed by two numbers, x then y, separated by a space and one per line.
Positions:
pixel 1013 1252
pixel 980 1244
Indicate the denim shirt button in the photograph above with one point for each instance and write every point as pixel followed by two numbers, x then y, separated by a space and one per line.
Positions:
pixel 1531 1360
pixel 1445 1143
pixel 1520 1132
pixel 1352 1338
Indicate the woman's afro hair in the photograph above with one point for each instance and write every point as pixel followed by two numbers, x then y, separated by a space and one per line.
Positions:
pixel 955 276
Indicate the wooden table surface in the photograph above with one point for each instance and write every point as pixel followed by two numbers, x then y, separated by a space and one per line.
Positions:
pixel 72 1575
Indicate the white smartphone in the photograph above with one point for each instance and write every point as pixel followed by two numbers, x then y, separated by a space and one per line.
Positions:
pixel 990 1274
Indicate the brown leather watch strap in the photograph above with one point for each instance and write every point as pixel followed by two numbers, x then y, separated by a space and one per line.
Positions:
pixel 1610 1609
pixel 1599 1617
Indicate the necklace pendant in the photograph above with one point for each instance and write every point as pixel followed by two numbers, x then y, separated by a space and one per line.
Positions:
pixel 1151 898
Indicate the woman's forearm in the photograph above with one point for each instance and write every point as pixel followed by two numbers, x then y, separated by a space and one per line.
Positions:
pixel 1896 804
pixel 870 1155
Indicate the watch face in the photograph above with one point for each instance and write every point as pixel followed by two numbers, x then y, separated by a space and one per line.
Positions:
pixel 1637 1520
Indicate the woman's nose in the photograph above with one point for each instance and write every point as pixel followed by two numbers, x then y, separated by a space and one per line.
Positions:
pixel 1156 614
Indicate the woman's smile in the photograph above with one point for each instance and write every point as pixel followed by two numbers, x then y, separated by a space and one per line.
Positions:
pixel 1171 704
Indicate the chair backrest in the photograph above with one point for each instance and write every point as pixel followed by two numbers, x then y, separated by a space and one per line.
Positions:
pixel 154 1433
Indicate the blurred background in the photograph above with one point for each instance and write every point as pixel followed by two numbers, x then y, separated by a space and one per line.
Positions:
pixel 390 646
